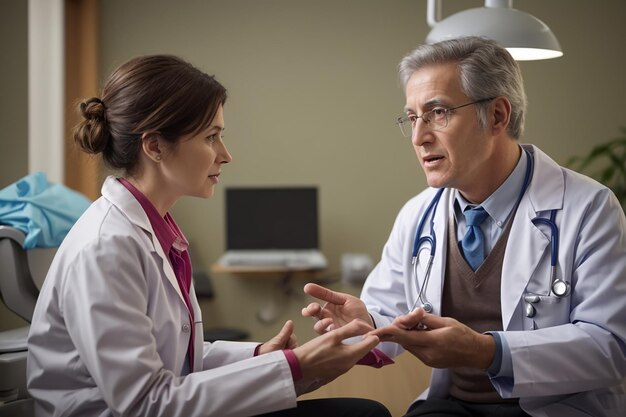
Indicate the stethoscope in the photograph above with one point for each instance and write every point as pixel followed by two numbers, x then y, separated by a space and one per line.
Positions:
pixel 559 287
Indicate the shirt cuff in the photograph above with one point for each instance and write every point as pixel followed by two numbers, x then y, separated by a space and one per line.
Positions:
pixel 376 359
pixel 502 365
pixel 494 368
pixel 257 348
pixel 294 365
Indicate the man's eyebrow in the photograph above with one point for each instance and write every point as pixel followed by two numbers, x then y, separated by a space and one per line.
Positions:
pixel 433 102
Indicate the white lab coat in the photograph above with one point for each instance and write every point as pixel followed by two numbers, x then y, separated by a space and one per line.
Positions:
pixel 574 363
pixel 110 331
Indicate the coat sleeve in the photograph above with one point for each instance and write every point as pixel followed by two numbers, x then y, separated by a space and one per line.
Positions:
pixel 220 353
pixel 105 304
pixel 385 292
pixel 587 351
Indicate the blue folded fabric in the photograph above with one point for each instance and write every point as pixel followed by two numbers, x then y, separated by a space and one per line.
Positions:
pixel 45 212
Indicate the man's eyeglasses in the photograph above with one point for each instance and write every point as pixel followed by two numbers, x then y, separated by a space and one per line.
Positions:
pixel 436 118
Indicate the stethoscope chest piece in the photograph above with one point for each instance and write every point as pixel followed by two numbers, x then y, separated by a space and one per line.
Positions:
pixel 560 288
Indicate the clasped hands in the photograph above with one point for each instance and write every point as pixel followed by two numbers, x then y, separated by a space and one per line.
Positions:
pixel 326 357
pixel 439 342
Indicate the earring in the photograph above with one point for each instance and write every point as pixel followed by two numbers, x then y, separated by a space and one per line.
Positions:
pixel 158 157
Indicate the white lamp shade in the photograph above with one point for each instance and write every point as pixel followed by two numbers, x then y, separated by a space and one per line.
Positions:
pixel 523 35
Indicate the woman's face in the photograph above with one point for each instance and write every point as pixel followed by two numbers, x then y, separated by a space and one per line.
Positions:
pixel 192 167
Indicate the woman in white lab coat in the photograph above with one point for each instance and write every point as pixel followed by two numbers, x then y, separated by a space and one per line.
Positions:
pixel 117 330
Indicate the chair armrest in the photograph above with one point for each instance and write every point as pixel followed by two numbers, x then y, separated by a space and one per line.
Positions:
pixel 17 289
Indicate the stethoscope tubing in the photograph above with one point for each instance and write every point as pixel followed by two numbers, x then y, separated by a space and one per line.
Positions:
pixel 432 239
pixel 558 287
pixel 554 233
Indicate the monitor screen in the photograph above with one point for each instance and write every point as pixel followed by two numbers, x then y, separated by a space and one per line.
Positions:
pixel 272 218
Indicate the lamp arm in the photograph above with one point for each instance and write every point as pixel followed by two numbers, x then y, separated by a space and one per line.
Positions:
pixel 433 12
pixel 508 4
pixel 434 9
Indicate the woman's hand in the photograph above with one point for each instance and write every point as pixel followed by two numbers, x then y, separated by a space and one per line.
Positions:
pixel 285 339
pixel 326 357
pixel 339 309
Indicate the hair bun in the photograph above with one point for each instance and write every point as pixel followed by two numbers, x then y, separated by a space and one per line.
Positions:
pixel 93 109
pixel 92 134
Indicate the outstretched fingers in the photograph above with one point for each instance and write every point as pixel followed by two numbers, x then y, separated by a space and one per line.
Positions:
pixel 324 325
pixel 286 331
pixel 324 294
pixel 313 310
pixel 286 337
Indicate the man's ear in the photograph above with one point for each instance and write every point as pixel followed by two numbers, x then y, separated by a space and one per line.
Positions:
pixel 151 146
pixel 501 112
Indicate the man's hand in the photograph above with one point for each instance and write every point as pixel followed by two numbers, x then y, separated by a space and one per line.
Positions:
pixel 339 309
pixel 439 342
pixel 285 339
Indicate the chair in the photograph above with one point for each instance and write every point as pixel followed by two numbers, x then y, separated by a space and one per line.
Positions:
pixel 21 276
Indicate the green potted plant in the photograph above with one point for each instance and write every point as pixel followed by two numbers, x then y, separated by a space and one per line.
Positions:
pixel 607 164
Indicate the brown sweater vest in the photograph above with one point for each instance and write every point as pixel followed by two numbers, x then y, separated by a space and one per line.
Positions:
pixel 473 298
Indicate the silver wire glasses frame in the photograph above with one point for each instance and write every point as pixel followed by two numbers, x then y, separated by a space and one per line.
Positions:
pixel 436 118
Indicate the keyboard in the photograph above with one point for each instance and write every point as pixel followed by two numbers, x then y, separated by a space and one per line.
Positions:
pixel 305 259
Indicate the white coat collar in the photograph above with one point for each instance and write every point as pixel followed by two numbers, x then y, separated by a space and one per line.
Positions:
pixel 545 192
pixel 545 195
pixel 121 198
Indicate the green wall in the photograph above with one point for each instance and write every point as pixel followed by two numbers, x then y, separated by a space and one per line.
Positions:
pixel 13 91
pixel 313 95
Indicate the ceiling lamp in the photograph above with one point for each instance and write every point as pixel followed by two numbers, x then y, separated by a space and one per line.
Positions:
pixel 523 35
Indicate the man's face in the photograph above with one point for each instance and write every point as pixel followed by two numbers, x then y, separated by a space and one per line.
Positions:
pixel 455 156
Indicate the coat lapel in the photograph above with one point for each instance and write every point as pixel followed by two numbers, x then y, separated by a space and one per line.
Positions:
pixel 119 196
pixel 528 244
pixel 434 289
pixel 198 351
pixel 166 266
pixel 525 248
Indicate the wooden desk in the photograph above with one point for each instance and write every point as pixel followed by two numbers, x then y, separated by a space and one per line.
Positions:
pixel 275 305
pixel 254 271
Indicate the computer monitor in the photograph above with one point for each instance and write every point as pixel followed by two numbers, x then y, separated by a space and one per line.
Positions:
pixel 271 218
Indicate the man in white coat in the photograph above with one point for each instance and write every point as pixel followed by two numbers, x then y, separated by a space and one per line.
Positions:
pixel 521 309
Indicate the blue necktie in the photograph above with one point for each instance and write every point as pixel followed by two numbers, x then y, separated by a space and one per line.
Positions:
pixel 473 242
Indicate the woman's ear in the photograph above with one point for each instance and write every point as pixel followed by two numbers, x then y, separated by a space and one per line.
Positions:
pixel 151 147
pixel 501 115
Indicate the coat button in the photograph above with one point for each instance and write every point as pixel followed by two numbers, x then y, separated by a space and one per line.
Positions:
pixel 186 328
pixel 531 298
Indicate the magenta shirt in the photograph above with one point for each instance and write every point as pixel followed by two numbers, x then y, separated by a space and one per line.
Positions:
pixel 175 246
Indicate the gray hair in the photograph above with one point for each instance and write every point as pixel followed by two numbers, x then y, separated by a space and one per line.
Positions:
pixel 485 69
